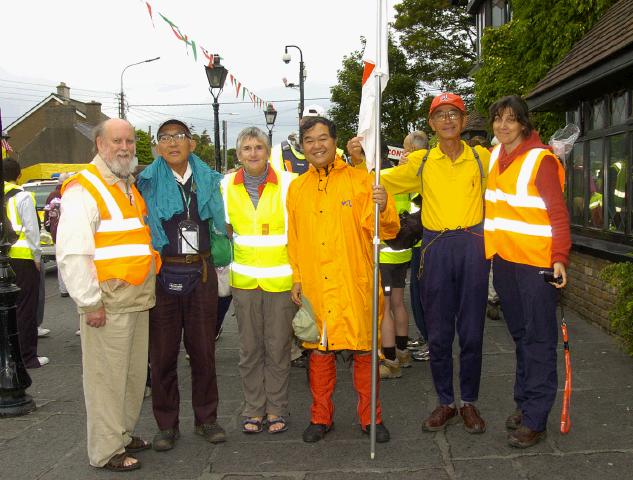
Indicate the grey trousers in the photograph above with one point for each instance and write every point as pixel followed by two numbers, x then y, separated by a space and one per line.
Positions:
pixel 264 321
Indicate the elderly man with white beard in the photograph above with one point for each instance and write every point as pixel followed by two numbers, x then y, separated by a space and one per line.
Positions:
pixel 105 255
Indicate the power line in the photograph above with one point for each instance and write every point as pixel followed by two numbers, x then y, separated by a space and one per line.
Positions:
pixel 55 86
pixel 210 104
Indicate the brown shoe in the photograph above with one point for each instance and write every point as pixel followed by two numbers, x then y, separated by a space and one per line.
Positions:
pixel 473 423
pixel 439 418
pixel 523 437
pixel 514 421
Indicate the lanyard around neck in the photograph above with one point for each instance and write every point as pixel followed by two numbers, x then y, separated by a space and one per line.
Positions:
pixel 186 198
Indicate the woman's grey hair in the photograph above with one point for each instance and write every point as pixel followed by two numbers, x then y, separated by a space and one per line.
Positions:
pixel 419 140
pixel 253 132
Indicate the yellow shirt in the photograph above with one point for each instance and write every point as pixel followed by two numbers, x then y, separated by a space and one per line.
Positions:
pixel 452 192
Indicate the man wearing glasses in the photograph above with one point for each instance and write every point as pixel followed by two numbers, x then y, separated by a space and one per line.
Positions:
pixel 451 178
pixel 184 201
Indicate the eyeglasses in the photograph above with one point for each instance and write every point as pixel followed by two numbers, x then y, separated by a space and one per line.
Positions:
pixel 451 115
pixel 167 138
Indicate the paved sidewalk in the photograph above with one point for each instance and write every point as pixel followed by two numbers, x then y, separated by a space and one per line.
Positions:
pixel 50 443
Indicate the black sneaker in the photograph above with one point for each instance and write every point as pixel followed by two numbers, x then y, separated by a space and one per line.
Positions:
pixel 315 432
pixel 382 434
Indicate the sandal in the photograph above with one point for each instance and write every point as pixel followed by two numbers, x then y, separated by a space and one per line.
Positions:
pixel 117 463
pixel 137 445
pixel 277 421
pixel 257 423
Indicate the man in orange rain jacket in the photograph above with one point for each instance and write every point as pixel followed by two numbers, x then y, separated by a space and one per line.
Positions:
pixel 330 230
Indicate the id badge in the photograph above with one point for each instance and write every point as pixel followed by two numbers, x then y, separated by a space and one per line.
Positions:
pixel 188 238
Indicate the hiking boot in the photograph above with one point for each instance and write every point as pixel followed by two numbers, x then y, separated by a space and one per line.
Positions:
pixel 473 423
pixel 165 439
pixel 390 369
pixel 514 421
pixel 382 434
pixel 523 437
pixel 404 357
pixel 440 417
pixel 315 432
pixel 212 432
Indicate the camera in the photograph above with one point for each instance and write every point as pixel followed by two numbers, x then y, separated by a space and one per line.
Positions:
pixel 286 57
pixel 548 277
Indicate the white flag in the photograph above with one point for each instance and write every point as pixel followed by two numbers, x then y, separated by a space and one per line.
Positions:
pixel 368 123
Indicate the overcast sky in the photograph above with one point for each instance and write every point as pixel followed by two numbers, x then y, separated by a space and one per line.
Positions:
pixel 86 44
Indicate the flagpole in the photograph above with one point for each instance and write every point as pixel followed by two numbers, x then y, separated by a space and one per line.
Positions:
pixel 375 297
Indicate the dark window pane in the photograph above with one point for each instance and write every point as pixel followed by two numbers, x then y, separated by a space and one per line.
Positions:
pixel 618 108
pixel 596 115
pixel 596 183
pixel 578 186
pixel 617 182
pixel 499 12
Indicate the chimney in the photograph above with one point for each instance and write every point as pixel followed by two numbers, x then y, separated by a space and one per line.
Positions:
pixel 63 91
pixel 93 113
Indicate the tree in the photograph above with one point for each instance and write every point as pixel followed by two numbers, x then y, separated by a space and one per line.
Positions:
pixel 204 148
pixel 517 55
pixel 400 104
pixel 439 39
pixel 144 148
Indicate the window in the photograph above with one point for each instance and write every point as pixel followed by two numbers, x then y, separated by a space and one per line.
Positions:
pixel 618 108
pixel 596 183
pixel 617 182
pixel 596 115
pixel 577 180
pixel 500 12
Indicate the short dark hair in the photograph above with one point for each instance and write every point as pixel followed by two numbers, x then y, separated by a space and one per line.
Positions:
pixel 518 107
pixel 11 169
pixel 309 122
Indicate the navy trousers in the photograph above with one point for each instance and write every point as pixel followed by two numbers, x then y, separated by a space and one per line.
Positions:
pixel 454 295
pixel 529 309
pixel 414 291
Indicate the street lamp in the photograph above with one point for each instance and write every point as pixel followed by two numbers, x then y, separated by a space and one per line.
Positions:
pixel 121 96
pixel 271 115
pixel 286 58
pixel 216 75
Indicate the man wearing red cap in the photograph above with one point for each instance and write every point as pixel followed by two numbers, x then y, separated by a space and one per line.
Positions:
pixel 451 178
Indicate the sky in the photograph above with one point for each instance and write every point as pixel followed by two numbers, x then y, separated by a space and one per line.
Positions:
pixel 86 44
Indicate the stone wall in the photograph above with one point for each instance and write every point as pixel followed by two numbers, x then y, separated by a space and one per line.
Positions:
pixel 586 294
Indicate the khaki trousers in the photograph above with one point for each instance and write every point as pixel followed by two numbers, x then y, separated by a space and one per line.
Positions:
pixel 114 372
pixel 264 321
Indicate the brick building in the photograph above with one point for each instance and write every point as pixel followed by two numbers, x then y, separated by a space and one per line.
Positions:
pixel 56 130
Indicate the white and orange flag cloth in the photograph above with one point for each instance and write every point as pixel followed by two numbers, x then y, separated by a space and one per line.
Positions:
pixel 368 123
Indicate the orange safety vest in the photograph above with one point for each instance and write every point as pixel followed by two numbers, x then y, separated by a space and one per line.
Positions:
pixel 517 226
pixel 123 246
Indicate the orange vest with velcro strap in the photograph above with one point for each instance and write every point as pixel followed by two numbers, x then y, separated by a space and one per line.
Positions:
pixel 123 246
pixel 517 226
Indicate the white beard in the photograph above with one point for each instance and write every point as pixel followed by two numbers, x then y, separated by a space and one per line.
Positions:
pixel 122 168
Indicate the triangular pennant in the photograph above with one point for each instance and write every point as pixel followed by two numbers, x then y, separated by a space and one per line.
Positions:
pixel 149 10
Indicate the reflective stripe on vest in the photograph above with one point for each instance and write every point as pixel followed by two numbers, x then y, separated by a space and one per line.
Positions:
pixel 388 254
pixel 122 240
pixel 260 239
pixel 517 226
pixel 20 249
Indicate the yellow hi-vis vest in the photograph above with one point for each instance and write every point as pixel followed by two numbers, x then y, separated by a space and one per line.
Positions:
pixel 388 254
pixel 123 246
pixel 517 226
pixel 19 249
pixel 260 235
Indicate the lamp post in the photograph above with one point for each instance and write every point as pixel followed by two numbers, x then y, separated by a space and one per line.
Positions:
pixel 271 115
pixel 14 379
pixel 216 76
pixel 286 58
pixel 121 95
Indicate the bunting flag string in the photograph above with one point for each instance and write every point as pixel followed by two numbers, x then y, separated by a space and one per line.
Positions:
pixel 208 58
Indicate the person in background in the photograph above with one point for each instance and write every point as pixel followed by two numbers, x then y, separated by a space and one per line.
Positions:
pixel 24 256
pixel 527 234
pixel 52 211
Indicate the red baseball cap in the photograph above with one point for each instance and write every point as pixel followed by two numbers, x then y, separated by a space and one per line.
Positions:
pixel 447 99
